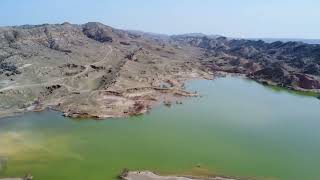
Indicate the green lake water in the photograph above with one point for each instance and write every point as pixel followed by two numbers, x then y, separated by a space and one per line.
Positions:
pixel 237 128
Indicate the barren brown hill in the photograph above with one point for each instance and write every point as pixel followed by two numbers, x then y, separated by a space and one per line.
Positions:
pixel 90 70
pixel 94 70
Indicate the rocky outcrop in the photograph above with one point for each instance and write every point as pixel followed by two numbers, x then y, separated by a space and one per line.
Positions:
pixel 98 32
pixel 276 74
pixel 8 69
pixel 307 82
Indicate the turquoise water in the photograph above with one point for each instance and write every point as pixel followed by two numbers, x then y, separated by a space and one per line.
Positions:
pixel 237 128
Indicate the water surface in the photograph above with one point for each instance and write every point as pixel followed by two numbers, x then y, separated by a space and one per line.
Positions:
pixel 237 128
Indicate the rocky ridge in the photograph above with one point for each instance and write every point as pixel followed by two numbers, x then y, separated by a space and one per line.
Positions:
pixel 293 65
pixel 93 70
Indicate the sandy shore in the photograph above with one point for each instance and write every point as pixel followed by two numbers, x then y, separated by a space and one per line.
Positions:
pixel 147 175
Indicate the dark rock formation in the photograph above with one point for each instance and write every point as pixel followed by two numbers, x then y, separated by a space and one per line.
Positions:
pixel 8 69
pixel 98 32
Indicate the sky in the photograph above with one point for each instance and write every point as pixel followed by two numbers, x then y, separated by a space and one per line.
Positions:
pixel 232 18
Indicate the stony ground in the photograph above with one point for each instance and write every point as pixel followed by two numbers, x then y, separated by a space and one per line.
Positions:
pixel 90 70
pixel 93 70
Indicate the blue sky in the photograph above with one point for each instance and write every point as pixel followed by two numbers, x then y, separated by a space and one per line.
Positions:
pixel 235 18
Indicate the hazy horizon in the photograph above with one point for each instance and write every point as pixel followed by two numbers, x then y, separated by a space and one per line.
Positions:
pixel 246 19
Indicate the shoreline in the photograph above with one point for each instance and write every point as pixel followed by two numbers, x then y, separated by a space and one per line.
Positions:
pixel 270 83
pixel 148 175
pixel 26 177
pixel 195 168
pixel 165 96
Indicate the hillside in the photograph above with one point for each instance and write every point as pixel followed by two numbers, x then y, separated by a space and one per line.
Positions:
pixel 93 70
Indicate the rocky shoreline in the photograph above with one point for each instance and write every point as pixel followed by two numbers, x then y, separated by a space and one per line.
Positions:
pixel 148 175
pixel 27 177
pixel 293 65
pixel 96 71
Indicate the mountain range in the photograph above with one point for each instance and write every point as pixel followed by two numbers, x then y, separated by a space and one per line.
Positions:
pixel 94 70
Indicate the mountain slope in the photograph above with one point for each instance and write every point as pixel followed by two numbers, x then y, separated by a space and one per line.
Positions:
pixel 293 65
pixel 89 70
pixel 93 70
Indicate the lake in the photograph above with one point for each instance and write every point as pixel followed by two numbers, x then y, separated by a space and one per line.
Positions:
pixel 237 128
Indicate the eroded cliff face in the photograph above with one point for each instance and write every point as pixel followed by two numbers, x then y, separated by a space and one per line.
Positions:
pixel 93 70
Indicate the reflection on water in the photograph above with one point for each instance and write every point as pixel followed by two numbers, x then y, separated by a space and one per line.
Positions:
pixel 11 143
pixel 237 128
pixel 27 146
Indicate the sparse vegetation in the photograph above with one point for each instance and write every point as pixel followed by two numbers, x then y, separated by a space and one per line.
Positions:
pixel 73 68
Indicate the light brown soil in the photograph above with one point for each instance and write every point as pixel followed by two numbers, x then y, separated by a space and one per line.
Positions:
pixel 89 77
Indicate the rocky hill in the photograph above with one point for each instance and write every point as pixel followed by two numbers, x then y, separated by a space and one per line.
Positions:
pixel 294 65
pixel 90 70
pixel 93 70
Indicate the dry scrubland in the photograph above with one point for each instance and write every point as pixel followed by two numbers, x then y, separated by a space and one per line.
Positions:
pixel 93 70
